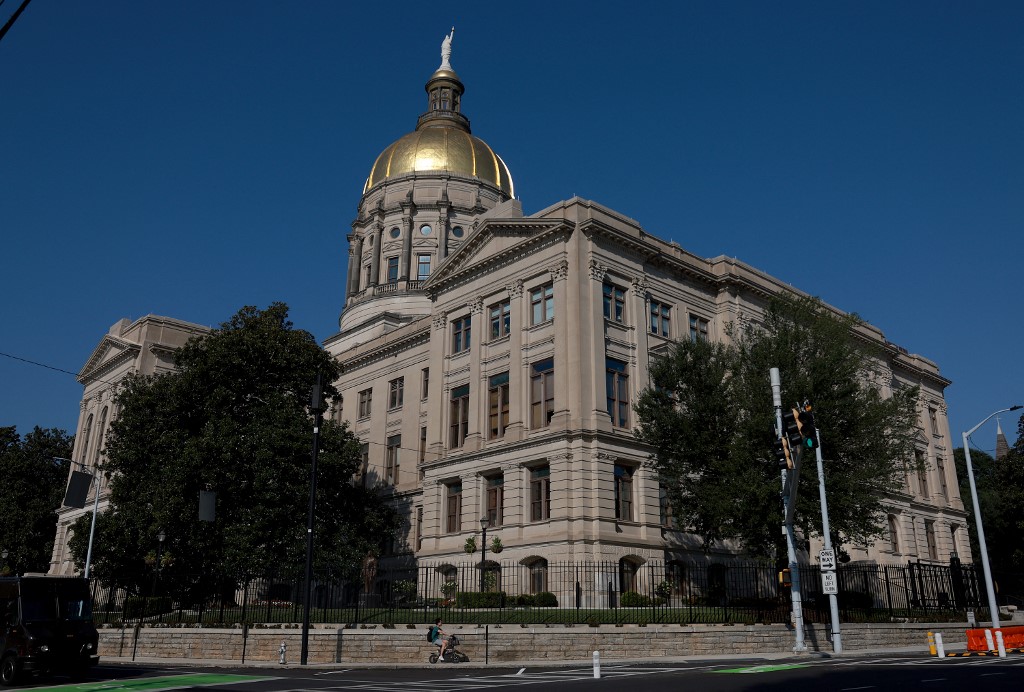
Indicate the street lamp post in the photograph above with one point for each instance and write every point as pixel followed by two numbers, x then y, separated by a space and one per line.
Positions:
pixel 993 608
pixel 484 521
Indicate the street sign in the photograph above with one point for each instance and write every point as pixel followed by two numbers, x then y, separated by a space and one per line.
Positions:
pixel 827 560
pixel 829 584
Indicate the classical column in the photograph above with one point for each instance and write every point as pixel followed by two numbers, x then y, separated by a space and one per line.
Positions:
pixel 518 377
pixel 564 323
pixel 407 225
pixel 378 234
pixel 355 254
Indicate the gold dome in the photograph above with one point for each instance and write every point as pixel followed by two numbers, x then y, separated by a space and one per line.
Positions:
pixel 447 149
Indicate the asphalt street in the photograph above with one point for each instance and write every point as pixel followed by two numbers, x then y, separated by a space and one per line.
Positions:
pixel 790 674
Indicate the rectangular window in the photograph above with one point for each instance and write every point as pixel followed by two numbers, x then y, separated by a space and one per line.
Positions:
pixel 500 316
pixel 542 304
pixel 364 462
pixel 365 402
pixel 661 314
pixel 497 405
pixel 542 393
pixel 423 444
pixel 460 334
pixel 426 383
pixel 495 500
pixel 453 507
pixel 391 459
pixel 396 393
pixel 392 270
pixel 623 493
pixel 614 302
pixel 617 388
pixel 929 534
pixel 940 471
pixel 540 493
pixel 459 416
pixel 698 328
pixel 419 528
pixel 422 267
pixel 369 275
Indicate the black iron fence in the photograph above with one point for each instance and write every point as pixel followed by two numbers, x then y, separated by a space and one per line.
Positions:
pixel 554 592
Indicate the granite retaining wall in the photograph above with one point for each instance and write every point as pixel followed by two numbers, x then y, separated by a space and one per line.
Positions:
pixel 501 643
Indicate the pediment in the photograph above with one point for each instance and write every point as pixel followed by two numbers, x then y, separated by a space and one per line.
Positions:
pixel 110 352
pixel 493 242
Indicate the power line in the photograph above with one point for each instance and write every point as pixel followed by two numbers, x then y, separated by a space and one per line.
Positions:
pixel 14 18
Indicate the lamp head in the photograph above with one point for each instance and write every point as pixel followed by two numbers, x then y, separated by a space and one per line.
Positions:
pixel 484 522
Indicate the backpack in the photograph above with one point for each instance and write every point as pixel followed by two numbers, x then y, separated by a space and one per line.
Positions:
pixel 430 634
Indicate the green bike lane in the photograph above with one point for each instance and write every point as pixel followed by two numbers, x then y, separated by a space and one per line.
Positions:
pixel 155 684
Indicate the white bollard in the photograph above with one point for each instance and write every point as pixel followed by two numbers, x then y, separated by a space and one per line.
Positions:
pixel 999 644
pixel 283 651
pixel 938 645
pixel 988 640
pixel 597 664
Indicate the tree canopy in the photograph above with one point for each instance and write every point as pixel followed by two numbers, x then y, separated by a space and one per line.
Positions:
pixel 708 414
pixel 1000 486
pixel 233 418
pixel 31 492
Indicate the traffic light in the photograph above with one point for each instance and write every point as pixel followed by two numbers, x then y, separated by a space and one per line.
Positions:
pixel 808 433
pixel 791 429
pixel 782 456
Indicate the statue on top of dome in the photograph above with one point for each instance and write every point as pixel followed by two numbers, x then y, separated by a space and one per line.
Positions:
pixel 446 51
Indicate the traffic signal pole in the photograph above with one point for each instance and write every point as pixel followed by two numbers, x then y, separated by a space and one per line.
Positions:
pixel 833 600
pixel 789 486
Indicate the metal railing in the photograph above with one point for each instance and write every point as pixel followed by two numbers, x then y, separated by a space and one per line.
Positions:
pixel 549 592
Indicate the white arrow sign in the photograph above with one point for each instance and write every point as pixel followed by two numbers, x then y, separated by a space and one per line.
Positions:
pixel 827 560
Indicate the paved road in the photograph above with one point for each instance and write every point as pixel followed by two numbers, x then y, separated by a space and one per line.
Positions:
pixel 904 674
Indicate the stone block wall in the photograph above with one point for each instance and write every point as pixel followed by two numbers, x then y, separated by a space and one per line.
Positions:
pixel 503 644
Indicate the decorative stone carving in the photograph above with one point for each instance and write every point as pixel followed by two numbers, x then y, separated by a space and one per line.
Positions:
pixel 441 321
pixel 560 271
pixel 477 307
pixel 515 289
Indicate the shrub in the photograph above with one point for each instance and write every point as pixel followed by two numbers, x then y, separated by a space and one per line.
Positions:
pixel 545 599
pixel 632 599
pixel 524 599
pixel 475 599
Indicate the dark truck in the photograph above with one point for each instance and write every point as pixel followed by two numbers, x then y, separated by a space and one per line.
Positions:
pixel 47 625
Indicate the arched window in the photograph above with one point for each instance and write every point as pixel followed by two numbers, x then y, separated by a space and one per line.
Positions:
pixel 84 456
pixel 675 575
pixel 99 437
pixel 538 575
pixel 628 569
pixel 894 533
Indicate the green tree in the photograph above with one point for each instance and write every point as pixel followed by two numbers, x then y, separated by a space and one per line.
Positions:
pixel 708 416
pixel 1000 486
pixel 233 418
pixel 30 494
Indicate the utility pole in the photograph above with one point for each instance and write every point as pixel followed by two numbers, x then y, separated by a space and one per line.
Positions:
pixel 827 557
pixel 789 488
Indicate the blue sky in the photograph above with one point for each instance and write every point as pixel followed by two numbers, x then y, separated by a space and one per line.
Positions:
pixel 188 158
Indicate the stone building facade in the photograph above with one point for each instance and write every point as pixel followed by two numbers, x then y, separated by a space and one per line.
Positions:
pixel 143 347
pixel 491 359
